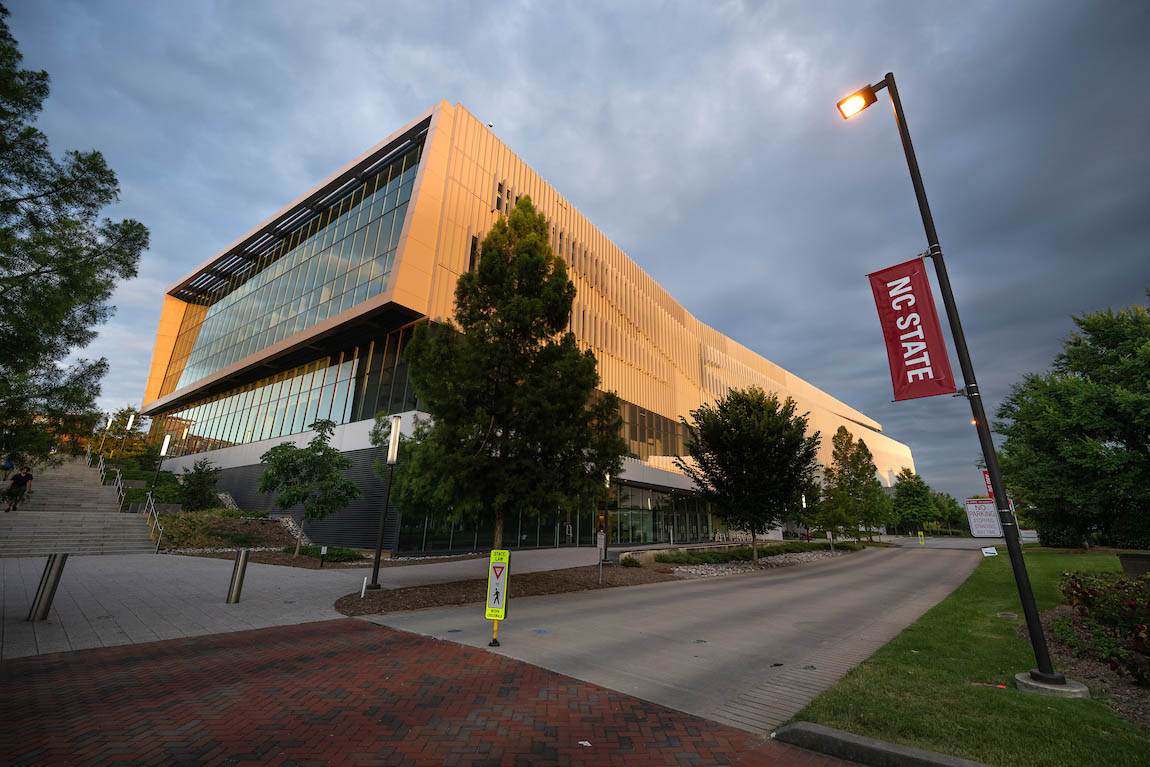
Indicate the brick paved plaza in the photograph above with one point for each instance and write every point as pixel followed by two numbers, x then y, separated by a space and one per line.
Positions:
pixel 339 692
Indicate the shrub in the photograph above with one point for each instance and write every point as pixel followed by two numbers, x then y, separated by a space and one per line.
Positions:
pixel 200 485
pixel 334 553
pixel 227 513
pixel 1116 610
pixel 743 553
pixel 630 562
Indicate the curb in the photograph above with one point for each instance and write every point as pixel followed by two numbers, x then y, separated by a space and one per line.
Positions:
pixel 867 751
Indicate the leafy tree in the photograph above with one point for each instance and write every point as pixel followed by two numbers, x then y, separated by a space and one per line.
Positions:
pixel 913 501
pixel 311 475
pixel 516 424
pixel 853 493
pixel 123 441
pixel 46 408
pixel 751 458
pixel 948 511
pixel 58 266
pixel 1077 447
pixel 199 486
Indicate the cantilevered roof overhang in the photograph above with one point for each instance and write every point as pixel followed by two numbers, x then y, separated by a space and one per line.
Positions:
pixel 242 256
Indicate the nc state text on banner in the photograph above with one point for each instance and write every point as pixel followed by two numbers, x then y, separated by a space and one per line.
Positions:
pixel 916 352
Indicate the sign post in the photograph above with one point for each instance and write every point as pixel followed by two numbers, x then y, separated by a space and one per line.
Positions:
pixel 497 579
pixel 602 541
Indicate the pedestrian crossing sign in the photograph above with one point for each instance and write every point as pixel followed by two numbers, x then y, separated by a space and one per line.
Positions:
pixel 497 579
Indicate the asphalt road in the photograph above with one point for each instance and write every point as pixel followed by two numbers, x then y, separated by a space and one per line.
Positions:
pixel 746 650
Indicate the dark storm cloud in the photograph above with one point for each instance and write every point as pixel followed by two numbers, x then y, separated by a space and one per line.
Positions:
pixel 701 138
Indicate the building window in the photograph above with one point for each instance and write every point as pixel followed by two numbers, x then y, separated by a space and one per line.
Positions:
pixel 473 261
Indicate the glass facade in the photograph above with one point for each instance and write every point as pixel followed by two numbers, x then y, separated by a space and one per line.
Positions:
pixel 352 384
pixel 634 515
pixel 649 433
pixel 337 259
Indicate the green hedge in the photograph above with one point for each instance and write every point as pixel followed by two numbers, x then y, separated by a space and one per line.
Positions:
pixel 334 553
pixel 743 553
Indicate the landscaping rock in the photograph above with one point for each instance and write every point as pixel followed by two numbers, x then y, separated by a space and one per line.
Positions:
pixel 765 563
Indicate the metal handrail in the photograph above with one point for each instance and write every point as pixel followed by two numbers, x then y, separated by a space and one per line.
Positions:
pixel 152 518
pixel 103 470
pixel 119 483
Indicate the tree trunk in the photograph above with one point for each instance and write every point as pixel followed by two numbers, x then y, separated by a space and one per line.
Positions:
pixel 497 539
pixel 754 549
pixel 298 538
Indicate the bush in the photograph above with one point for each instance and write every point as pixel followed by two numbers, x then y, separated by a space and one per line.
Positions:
pixel 200 485
pixel 630 562
pixel 238 513
pixel 334 553
pixel 1116 610
pixel 743 553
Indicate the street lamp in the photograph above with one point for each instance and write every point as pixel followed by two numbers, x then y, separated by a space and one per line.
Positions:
pixel 159 463
pixel 392 455
pixel 106 427
pixel 127 431
pixel 848 107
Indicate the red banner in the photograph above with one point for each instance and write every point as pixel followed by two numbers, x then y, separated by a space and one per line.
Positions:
pixel 915 349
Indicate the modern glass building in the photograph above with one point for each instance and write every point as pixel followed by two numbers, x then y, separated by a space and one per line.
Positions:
pixel 306 317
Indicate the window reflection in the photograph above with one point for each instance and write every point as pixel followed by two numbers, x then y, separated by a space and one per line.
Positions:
pixel 340 258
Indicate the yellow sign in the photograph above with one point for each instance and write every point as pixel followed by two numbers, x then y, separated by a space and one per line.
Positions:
pixel 497 579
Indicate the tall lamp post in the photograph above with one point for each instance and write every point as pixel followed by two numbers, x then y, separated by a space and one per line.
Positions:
pixel 107 426
pixel 159 463
pixel 848 107
pixel 392 455
pixel 127 431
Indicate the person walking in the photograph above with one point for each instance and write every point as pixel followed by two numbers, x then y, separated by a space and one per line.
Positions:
pixel 20 486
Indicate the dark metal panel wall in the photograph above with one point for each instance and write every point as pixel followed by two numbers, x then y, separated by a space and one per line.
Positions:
pixel 356 526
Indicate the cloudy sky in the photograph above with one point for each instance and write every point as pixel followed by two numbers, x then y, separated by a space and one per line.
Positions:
pixel 701 137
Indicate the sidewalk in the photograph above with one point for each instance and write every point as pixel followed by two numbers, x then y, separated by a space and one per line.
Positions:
pixel 341 692
pixel 113 600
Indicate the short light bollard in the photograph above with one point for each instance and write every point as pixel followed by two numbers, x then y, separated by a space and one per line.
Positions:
pixel 238 571
pixel 46 592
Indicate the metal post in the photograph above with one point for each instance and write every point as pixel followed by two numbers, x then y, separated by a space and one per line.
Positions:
pixel 382 521
pixel 238 570
pixel 49 580
pixel 1045 671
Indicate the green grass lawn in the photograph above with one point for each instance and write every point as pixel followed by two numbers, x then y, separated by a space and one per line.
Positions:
pixel 924 688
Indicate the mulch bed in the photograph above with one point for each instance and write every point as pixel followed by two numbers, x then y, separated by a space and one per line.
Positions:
pixel 522 585
pixel 1116 690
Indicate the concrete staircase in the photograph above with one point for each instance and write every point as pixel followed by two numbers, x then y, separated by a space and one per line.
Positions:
pixel 70 512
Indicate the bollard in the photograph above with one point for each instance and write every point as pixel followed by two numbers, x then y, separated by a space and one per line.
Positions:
pixel 46 592
pixel 238 570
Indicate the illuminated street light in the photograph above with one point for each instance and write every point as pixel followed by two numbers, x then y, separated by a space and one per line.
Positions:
pixel 852 105
pixel 857 102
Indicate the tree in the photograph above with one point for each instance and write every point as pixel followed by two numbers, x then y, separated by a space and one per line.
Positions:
pixel 516 423
pixel 48 408
pixel 914 504
pixel 311 475
pixel 948 511
pixel 58 266
pixel 199 485
pixel 751 458
pixel 853 494
pixel 1077 447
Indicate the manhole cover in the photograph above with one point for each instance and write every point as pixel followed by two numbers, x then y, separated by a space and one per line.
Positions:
pixel 700 641
pixel 538 631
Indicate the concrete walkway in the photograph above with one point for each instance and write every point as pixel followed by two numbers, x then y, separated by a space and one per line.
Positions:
pixel 115 600
pixel 748 651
